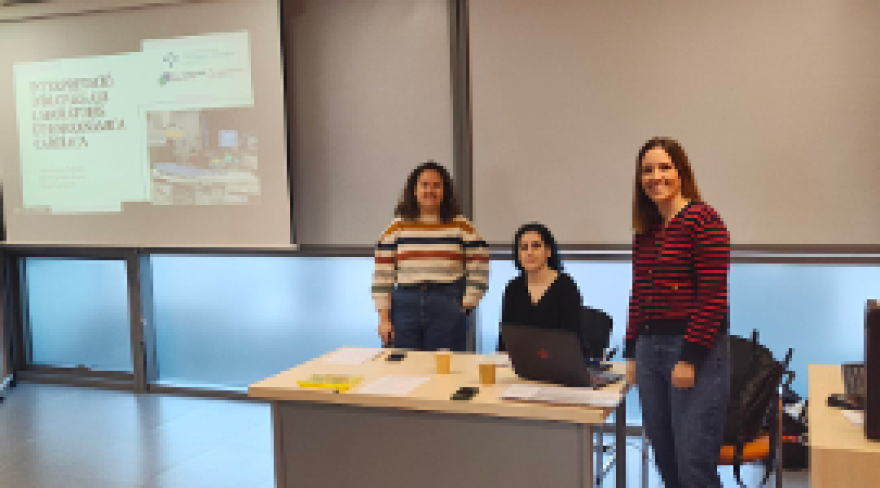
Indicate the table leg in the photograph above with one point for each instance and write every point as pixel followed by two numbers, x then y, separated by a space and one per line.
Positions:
pixel 278 435
pixel 588 469
pixel 620 443
pixel 598 450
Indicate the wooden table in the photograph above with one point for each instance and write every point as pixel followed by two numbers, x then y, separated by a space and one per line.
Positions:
pixel 840 455
pixel 424 439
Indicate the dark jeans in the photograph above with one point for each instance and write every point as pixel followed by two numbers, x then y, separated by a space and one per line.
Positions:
pixel 429 319
pixel 685 427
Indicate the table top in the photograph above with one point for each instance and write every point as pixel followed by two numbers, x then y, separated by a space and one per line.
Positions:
pixel 433 396
pixel 829 429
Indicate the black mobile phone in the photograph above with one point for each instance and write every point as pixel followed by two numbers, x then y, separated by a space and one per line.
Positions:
pixel 465 393
pixel 396 356
pixel 846 402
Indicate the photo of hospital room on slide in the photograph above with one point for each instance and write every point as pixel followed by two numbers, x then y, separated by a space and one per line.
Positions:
pixel 207 156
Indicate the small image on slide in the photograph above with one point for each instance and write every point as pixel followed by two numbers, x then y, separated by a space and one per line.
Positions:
pixel 203 157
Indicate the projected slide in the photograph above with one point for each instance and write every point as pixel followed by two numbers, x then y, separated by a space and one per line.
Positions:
pixel 172 124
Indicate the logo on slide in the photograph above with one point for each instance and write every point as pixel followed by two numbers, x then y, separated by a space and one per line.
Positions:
pixel 168 77
pixel 171 58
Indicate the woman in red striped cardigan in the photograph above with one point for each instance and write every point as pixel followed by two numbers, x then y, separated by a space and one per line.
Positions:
pixel 676 339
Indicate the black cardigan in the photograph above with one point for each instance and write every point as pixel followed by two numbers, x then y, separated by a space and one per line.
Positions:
pixel 559 308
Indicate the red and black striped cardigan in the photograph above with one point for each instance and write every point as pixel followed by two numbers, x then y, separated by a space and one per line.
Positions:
pixel 680 282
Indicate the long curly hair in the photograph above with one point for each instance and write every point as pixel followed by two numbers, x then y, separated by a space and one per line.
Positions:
pixel 408 205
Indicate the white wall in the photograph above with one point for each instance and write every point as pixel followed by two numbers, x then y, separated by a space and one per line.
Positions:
pixel 371 99
pixel 777 104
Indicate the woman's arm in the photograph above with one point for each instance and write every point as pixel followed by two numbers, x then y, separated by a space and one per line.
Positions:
pixel 711 255
pixel 508 315
pixel 570 308
pixel 633 318
pixel 476 263
pixel 385 273
pixel 384 278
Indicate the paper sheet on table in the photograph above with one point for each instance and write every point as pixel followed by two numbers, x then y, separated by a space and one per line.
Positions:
pixel 353 355
pixel 857 417
pixel 562 395
pixel 394 384
pixel 520 392
pixel 500 360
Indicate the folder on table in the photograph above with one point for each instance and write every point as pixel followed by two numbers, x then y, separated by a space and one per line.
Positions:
pixel 334 382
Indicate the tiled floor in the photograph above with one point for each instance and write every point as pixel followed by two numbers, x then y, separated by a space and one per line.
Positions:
pixel 53 436
pixel 67 437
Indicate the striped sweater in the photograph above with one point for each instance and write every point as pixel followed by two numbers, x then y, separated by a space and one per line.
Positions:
pixel 427 250
pixel 680 282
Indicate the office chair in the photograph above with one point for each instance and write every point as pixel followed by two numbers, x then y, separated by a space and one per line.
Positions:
pixel 766 448
pixel 596 327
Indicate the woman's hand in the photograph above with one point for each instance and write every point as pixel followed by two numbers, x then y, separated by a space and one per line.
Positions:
pixel 683 375
pixel 631 372
pixel 386 328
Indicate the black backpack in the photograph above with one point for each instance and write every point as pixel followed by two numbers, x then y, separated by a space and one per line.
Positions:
pixel 755 377
pixel 795 443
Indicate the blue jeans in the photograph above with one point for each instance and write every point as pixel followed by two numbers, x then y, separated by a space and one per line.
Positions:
pixel 685 427
pixel 431 319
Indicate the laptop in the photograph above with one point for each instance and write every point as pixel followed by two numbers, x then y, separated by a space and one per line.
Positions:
pixel 551 356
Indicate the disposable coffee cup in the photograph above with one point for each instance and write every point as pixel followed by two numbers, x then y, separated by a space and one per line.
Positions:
pixel 444 361
pixel 487 372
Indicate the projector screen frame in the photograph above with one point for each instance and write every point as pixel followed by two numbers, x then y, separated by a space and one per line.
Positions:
pixel 24 13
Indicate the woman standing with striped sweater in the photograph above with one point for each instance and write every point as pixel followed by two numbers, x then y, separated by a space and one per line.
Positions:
pixel 438 262
pixel 676 338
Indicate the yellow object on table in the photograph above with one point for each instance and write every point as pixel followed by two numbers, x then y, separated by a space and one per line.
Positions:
pixel 338 382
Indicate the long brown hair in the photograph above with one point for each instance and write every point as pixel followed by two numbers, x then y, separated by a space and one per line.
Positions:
pixel 408 206
pixel 645 212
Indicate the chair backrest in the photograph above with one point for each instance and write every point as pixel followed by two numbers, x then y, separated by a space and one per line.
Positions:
pixel 596 327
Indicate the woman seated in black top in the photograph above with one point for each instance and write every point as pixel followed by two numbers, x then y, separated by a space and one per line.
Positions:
pixel 542 295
